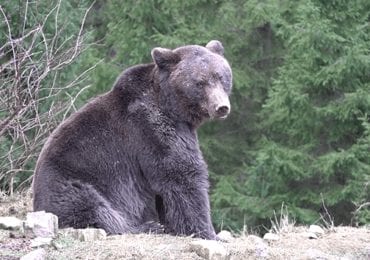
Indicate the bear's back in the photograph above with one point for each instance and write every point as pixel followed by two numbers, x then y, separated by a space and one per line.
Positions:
pixel 134 82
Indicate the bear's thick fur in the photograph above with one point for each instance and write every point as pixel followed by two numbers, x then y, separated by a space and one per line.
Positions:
pixel 129 160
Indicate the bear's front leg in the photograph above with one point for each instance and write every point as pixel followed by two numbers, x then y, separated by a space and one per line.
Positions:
pixel 177 172
pixel 187 211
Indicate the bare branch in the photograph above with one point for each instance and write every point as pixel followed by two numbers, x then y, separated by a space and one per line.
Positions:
pixel 362 206
pixel 78 40
pixel 32 99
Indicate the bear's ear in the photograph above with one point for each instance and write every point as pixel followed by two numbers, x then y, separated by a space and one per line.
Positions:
pixel 216 47
pixel 164 57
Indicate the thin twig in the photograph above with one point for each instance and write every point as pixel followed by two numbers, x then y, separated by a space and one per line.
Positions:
pixel 29 81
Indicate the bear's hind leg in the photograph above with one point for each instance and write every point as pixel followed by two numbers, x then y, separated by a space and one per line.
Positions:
pixel 81 206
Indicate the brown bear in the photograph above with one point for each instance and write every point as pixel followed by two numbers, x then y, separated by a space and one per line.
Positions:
pixel 129 160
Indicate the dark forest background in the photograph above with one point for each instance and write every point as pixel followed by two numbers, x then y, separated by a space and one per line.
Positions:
pixel 298 136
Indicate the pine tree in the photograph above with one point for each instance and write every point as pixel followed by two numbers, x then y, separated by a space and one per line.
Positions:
pixel 316 119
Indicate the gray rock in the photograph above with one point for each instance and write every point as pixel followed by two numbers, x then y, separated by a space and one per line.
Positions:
pixel 261 248
pixel 255 239
pixel 88 234
pixel 271 237
pixel 225 236
pixel 43 224
pixel 38 254
pixel 209 249
pixel 11 223
pixel 41 241
pixel 316 229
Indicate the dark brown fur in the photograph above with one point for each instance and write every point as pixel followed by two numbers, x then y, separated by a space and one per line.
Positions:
pixel 129 160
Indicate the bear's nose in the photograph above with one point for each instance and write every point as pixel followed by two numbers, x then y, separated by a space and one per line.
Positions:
pixel 222 111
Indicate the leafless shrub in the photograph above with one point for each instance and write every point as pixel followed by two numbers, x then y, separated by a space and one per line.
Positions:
pixel 32 102
pixel 325 217
pixel 361 209
pixel 282 223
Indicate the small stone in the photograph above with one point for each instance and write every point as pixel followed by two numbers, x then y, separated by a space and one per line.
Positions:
pixel 43 224
pixel 225 235
pixel 261 248
pixel 10 223
pixel 89 234
pixel 316 229
pixel 209 249
pixel 12 211
pixel 255 239
pixel 271 237
pixel 38 254
pixel 41 241
pixel 310 235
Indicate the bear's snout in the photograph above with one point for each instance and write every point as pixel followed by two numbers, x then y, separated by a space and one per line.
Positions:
pixel 219 104
pixel 222 111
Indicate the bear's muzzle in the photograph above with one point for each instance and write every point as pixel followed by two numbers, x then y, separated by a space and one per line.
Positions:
pixel 219 103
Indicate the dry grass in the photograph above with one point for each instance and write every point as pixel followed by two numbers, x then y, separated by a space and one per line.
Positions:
pixel 17 205
pixel 347 242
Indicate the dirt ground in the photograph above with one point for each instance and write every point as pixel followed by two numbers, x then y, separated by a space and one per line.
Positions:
pixel 337 243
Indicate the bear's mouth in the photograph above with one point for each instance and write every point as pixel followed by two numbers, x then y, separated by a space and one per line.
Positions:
pixel 222 117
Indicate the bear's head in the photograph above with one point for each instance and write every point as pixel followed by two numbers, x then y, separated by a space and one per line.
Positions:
pixel 194 82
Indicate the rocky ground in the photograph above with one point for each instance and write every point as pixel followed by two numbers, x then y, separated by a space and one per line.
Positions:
pixel 289 242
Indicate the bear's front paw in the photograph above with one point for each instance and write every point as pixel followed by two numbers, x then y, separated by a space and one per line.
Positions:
pixel 207 236
pixel 151 227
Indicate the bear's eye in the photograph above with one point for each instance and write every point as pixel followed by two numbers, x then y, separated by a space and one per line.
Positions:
pixel 224 79
pixel 220 78
pixel 201 83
